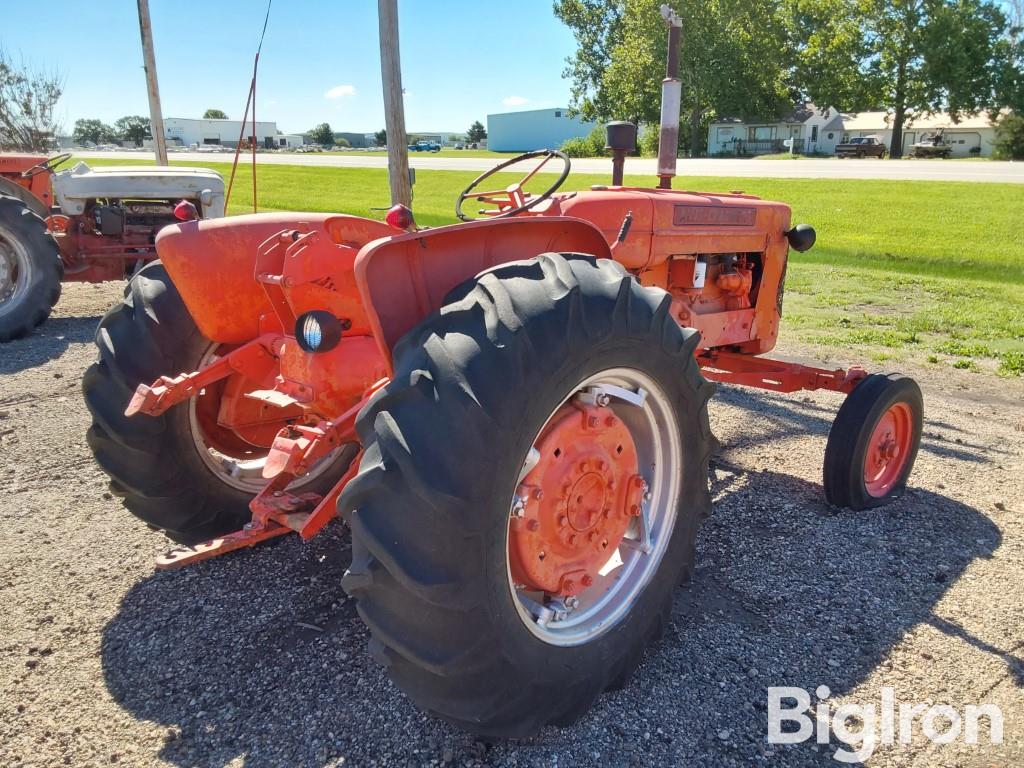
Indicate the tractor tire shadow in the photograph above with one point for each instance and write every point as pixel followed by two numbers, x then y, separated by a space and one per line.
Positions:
pixel 47 342
pixel 261 655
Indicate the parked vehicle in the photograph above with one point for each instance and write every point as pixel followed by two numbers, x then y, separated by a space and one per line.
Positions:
pixel 861 146
pixel 84 225
pixel 933 145
pixel 425 146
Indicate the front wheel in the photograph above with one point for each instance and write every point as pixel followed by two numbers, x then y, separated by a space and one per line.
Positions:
pixel 873 442
pixel 530 493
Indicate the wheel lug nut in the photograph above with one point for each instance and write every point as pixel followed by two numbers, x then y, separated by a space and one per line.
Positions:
pixel 532 525
pixel 633 510
pixel 587 580
pixel 562 521
pixel 538 494
pixel 610 421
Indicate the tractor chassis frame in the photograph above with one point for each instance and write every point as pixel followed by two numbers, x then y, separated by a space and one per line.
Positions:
pixel 297 447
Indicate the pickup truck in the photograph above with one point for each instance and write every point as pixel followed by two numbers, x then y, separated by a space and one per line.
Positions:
pixel 862 146
pixel 425 146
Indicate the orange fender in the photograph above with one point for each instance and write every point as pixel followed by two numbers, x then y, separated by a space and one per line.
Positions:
pixel 403 279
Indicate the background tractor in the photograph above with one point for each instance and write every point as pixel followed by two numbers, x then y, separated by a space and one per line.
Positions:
pixel 510 413
pixel 83 224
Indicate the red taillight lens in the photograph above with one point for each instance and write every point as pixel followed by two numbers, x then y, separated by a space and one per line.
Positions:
pixel 185 211
pixel 399 217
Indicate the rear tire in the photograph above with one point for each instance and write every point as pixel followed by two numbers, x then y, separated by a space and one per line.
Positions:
pixel 856 475
pixel 445 443
pixel 155 463
pixel 30 270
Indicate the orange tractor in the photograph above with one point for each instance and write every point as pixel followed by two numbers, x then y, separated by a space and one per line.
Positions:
pixel 510 414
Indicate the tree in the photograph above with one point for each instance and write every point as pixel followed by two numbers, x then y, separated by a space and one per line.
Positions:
pixel 1010 138
pixel 341 141
pixel 911 56
pixel 476 132
pixel 733 60
pixel 93 132
pixel 27 101
pixel 380 138
pixel 322 135
pixel 214 114
pixel 133 128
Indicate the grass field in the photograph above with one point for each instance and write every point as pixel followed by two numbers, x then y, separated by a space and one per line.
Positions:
pixel 928 271
pixel 445 152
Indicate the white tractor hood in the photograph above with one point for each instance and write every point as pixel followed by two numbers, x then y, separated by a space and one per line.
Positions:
pixel 74 188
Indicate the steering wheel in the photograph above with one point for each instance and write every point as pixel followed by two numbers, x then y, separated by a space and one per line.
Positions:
pixel 514 198
pixel 47 166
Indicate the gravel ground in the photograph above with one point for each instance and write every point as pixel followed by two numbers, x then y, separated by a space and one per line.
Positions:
pixel 258 658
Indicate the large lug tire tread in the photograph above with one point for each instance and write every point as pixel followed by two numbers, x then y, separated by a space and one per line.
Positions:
pixel 848 439
pixel 152 461
pixel 473 384
pixel 39 298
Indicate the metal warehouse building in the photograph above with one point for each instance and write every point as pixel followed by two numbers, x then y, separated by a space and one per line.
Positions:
pixel 186 131
pixel 533 129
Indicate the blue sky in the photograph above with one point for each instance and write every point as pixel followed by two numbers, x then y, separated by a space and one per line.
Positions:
pixel 320 60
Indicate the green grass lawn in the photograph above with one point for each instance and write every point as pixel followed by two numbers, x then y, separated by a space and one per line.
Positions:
pixel 920 270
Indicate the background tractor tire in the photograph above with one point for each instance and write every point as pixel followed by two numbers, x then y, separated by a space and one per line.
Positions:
pixel 154 462
pixel 444 443
pixel 30 270
pixel 849 441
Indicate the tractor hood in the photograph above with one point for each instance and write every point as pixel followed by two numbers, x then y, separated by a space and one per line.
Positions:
pixel 75 187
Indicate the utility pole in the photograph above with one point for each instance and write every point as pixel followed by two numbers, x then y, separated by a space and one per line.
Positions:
pixel 156 117
pixel 394 109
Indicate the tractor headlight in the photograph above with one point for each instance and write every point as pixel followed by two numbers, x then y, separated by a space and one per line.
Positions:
pixel 318 331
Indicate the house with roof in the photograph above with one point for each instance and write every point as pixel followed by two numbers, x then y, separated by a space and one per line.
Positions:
pixel 813 130
pixel 817 131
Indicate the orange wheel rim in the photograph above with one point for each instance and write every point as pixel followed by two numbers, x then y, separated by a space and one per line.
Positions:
pixel 888 449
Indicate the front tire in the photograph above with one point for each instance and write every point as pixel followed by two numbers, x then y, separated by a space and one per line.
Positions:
pixel 447 443
pixel 171 471
pixel 30 270
pixel 873 442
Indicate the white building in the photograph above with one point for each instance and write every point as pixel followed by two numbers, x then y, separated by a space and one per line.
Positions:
pixel 817 131
pixel 533 129
pixel 186 131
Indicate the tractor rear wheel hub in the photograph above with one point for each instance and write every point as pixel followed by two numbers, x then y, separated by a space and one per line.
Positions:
pixel 576 503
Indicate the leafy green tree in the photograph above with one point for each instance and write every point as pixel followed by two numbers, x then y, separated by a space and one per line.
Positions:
pixel 1010 138
pixel 341 141
pixel 133 128
pixel 93 131
pixel 214 114
pixel 27 101
pixel 323 135
pixel 380 138
pixel 734 60
pixel 476 132
pixel 907 56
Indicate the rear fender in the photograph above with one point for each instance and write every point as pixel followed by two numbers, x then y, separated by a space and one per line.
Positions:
pixel 212 262
pixel 403 279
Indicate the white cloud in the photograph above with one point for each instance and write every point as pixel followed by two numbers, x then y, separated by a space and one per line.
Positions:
pixel 514 101
pixel 340 92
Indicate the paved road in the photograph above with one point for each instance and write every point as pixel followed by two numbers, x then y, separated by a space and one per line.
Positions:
pixel 808 168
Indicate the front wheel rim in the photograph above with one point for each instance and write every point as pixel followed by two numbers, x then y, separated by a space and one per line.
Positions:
pixel 888 449
pixel 604 599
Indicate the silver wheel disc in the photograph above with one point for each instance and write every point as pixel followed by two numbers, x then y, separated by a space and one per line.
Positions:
pixel 644 408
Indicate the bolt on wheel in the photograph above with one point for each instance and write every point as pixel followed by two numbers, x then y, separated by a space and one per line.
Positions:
pixel 595 507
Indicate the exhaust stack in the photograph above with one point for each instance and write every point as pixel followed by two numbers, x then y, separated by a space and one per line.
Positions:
pixel 671 97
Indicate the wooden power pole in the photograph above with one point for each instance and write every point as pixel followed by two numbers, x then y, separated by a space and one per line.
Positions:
pixel 394 109
pixel 156 117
